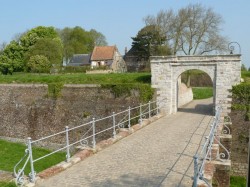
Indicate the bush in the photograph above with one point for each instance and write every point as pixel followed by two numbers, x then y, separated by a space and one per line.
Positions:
pixel 241 96
pixel 5 65
pixel 38 64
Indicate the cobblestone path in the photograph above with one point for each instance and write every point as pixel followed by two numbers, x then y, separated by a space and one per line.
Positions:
pixel 161 154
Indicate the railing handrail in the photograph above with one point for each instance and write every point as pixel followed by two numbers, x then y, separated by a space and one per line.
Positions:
pixel 205 154
pixel 128 117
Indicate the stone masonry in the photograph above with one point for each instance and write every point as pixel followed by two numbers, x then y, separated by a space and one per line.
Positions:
pixel 224 71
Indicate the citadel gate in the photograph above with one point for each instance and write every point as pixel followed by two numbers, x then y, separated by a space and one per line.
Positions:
pixel 224 71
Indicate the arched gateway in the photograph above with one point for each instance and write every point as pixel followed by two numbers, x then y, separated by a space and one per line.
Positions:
pixel 224 71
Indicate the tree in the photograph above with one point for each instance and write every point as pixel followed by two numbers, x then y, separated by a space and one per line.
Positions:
pixel 39 64
pixel 150 41
pixel 15 53
pixel 99 38
pixel 6 66
pixel 29 38
pixel 23 46
pixel 243 67
pixel 192 30
pixel 52 49
pixel 2 46
pixel 76 41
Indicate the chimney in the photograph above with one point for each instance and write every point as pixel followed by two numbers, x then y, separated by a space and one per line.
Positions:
pixel 126 50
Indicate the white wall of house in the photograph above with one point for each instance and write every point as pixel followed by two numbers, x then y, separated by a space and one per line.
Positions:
pixel 97 63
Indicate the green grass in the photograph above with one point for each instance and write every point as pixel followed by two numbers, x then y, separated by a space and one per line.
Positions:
pixel 236 181
pixel 11 153
pixel 77 78
pixel 246 76
pixel 202 92
pixel 7 184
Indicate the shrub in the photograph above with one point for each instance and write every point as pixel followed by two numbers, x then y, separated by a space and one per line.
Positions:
pixel 241 96
pixel 5 65
pixel 39 64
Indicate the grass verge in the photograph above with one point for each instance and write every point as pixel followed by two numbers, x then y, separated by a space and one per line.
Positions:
pixel 202 92
pixel 77 78
pixel 7 184
pixel 237 181
pixel 11 153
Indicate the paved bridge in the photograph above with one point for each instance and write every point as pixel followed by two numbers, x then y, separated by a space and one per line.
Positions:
pixel 160 154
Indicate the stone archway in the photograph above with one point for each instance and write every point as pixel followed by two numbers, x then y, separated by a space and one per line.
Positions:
pixel 224 71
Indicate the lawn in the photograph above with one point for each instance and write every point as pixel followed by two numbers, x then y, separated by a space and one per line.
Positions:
pixel 236 181
pixel 11 153
pixel 202 92
pixel 7 184
pixel 77 78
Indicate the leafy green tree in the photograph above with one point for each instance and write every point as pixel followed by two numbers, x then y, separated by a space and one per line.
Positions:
pixel 52 49
pixel 6 66
pixel 29 38
pixel 15 53
pixel 23 46
pixel 150 41
pixel 39 64
pixel 98 37
pixel 76 41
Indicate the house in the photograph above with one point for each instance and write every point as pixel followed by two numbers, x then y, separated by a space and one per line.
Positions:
pixel 109 57
pixel 135 62
pixel 79 60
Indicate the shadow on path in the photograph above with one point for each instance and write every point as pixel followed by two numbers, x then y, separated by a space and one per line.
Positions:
pixel 133 180
pixel 205 109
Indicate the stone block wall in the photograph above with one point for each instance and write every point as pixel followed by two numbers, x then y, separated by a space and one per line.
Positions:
pixel 185 94
pixel 27 111
pixel 239 169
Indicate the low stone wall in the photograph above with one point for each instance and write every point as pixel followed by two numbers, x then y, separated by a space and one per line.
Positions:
pixel 185 95
pixel 99 71
pixel 239 169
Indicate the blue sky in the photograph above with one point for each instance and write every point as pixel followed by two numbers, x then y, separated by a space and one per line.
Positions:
pixel 118 20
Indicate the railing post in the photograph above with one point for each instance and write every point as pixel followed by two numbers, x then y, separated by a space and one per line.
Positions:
pixel 114 132
pixel 196 171
pixel 67 143
pixel 129 125
pixel 32 171
pixel 140 114
pixel 149 110
pixel 93 125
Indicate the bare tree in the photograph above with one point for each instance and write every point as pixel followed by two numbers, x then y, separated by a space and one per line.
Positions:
pixel 193 30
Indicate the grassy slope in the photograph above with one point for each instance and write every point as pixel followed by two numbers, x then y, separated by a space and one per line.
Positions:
pixel 11 153
pixel 77 78
pixel 202 92
pixel 236 181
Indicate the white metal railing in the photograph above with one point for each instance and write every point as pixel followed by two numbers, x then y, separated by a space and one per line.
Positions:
pixel 206 151
pixel 86 135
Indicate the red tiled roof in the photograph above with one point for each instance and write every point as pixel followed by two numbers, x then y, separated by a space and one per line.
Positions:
pixel 103 53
